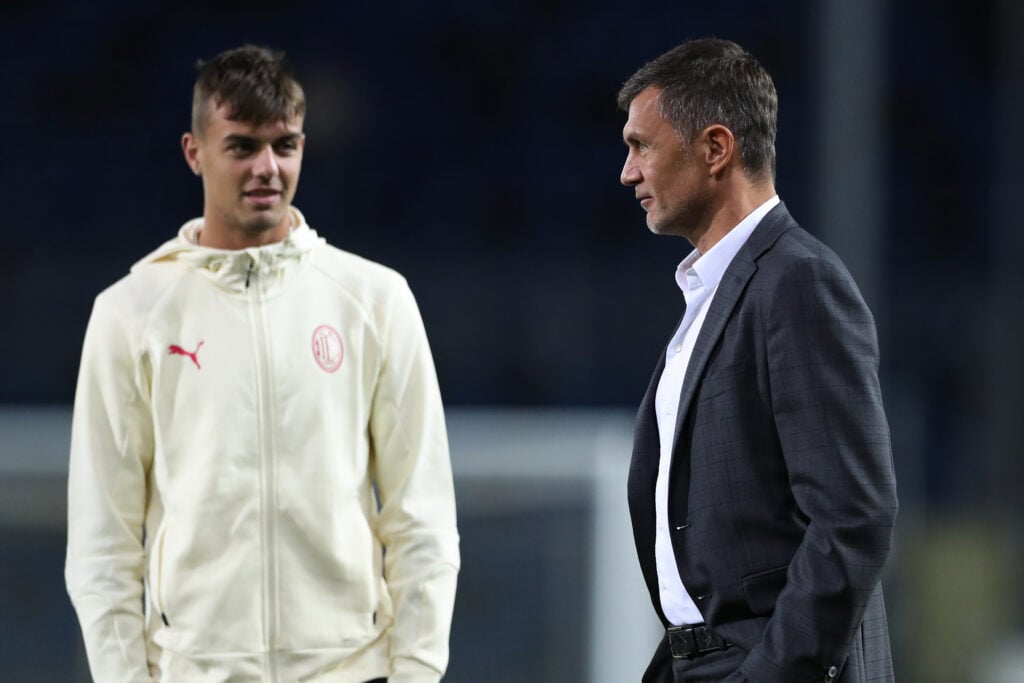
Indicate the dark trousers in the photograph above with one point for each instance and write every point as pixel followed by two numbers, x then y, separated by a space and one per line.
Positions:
pixel 710 668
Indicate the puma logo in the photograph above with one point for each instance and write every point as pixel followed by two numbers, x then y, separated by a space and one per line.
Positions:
pixel 175 349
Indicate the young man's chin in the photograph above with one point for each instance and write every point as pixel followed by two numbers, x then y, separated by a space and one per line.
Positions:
pixel 262 220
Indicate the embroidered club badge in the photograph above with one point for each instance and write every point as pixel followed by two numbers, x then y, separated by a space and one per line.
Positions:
pixel 327 348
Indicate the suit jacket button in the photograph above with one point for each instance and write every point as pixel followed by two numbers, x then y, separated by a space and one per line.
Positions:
pixel 832 673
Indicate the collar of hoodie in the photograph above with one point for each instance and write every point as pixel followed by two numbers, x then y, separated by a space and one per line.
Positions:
pixel 237 269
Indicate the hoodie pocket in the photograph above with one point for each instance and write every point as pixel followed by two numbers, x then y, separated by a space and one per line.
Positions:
pixel 157 575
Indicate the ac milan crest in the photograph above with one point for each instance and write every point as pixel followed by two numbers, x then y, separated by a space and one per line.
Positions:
pixel 327 348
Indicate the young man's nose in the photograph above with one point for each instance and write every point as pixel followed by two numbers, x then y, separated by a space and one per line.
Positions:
pixel 265 164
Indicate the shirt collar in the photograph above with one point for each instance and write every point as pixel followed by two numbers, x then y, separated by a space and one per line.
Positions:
pixel 705 270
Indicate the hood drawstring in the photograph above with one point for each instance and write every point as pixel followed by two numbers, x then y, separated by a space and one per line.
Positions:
pixel 233 269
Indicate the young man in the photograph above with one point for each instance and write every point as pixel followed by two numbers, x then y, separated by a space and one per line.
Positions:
pixel 761 489
pixel 257 419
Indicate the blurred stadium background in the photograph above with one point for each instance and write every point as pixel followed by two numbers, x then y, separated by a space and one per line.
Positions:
pixel 475 146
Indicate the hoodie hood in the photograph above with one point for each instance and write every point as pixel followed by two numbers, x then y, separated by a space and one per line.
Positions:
pixel 233 269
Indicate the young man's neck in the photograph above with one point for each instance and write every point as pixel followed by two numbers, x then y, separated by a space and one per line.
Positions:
pixel 216 235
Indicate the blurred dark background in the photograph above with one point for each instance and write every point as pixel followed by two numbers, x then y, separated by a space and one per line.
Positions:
pixel 476 148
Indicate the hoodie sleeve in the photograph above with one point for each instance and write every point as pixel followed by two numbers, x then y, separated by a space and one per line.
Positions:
pixel 417 516
pixel 111 451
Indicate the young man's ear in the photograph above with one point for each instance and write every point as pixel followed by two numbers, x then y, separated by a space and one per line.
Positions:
pixel 190 146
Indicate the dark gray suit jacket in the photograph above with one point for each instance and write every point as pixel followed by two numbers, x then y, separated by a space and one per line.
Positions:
pixel 782 495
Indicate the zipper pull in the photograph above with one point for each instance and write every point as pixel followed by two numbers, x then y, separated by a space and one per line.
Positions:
pixel 248 273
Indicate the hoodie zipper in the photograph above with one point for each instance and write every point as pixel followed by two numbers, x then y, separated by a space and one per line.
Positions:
pixel 268 487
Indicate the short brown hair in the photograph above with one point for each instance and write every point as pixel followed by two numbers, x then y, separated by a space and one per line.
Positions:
pixel 255 84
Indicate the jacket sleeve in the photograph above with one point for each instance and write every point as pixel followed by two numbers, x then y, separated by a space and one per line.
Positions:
pixel 111 449
pixel 822 355
pixel 417 514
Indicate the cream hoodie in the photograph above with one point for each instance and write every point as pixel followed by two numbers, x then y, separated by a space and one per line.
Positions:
pixel 234 410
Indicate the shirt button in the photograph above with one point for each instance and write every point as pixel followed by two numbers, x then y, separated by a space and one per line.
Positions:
pixel 679 348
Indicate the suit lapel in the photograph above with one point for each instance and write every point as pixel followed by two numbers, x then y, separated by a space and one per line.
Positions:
pixel 730 289
pixel 734 280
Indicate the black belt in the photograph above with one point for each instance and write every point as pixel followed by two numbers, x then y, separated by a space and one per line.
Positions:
pixel 687 642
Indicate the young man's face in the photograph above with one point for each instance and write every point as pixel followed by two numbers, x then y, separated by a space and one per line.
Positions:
pixel 250 173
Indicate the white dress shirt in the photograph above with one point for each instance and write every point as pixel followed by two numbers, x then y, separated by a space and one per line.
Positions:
pixel 697 276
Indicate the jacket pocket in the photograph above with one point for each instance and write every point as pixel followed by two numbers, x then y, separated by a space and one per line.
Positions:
pixel 762 589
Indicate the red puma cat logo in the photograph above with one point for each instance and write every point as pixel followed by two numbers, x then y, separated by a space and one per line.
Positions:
pixel 175 349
